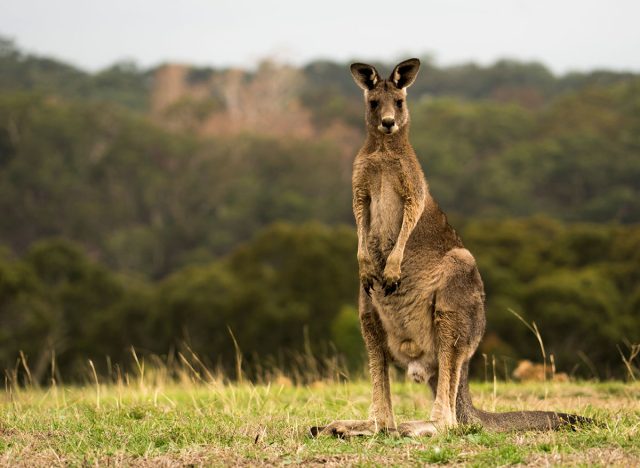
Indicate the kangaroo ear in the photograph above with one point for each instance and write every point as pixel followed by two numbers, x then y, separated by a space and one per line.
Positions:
pixel 405 73
pixel 365 76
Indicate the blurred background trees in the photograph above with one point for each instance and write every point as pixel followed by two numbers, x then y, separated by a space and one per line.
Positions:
pixel 163 207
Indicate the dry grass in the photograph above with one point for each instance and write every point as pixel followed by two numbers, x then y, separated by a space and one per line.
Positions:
pixel 154 421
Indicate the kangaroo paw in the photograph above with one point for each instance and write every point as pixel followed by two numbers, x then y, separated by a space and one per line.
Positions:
pixel 367 285
pixel 390 287
pixel 367 282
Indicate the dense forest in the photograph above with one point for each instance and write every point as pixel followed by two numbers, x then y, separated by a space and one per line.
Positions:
pixel 163 208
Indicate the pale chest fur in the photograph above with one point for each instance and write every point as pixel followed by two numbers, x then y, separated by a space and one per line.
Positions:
pixel 386 209
pixel 380 175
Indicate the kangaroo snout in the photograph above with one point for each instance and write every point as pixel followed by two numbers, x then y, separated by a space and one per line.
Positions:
pixel 388 125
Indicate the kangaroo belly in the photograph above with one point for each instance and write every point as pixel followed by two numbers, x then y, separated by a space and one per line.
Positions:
pixel 407 318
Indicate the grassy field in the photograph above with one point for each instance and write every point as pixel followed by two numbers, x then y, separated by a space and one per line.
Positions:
pixel 155 424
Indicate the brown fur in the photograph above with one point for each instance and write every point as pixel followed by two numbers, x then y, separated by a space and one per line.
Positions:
pixel 422 299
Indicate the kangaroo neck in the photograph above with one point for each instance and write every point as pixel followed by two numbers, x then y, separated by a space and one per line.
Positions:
pixel 397 142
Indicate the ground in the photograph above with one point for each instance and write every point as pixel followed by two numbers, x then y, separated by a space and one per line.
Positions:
pixel 151 424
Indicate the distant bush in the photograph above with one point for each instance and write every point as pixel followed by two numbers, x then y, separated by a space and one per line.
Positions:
pixel 575 281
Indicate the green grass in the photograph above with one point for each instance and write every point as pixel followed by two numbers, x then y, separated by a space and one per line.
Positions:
pixel 219 424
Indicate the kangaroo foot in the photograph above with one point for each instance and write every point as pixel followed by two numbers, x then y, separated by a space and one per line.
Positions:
pixel 442 417
pixel 349 428
pixel 417 429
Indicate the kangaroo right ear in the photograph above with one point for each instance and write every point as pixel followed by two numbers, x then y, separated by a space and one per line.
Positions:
pixel 365 76
pixel 405 73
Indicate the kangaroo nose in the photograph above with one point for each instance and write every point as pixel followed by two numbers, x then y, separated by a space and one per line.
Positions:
pixel 388 122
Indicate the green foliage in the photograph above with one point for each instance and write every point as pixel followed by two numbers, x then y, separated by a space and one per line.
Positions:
pixel 576 159
pixel 291 287
pixel 347 336
pixel 267 292
pixel 57 300
pixel 574 281
pixel 151 201
pixel 147 200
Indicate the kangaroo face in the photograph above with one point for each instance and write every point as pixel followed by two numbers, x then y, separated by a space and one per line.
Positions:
pixel 386 109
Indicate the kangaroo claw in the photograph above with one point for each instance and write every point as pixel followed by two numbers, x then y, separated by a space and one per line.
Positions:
pixel 391 288
pixel 367 285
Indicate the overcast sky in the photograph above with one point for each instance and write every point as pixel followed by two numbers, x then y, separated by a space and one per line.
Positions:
pixel 564 34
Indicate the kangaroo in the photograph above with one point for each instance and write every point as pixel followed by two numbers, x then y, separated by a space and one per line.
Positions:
pixel 421 304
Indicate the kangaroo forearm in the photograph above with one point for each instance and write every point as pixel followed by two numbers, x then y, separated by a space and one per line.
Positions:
pixel 363 252
pixel 361 213
pixel 411 214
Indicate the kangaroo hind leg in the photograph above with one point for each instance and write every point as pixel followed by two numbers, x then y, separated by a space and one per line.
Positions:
pixel 459 324
pixel 381 412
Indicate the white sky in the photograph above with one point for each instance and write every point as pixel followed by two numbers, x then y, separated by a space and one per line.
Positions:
pixel 563 34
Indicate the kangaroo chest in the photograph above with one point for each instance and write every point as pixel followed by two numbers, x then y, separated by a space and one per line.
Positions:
pixel 386 210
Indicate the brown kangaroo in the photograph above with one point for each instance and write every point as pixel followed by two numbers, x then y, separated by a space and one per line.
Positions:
pixel 421 304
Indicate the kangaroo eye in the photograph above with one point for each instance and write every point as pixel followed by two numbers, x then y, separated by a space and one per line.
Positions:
pixel 373 104
pixel 399 103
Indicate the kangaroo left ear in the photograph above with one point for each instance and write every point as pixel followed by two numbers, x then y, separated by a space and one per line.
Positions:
pixel 365 76
pixel 405 73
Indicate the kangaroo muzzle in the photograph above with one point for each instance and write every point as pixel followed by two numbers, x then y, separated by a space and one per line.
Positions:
pixel 388 125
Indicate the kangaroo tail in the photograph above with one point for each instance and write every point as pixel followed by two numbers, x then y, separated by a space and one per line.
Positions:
pixel 513 420
pixel 528 420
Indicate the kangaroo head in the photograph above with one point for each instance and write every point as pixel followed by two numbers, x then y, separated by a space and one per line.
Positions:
pixel 386 110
